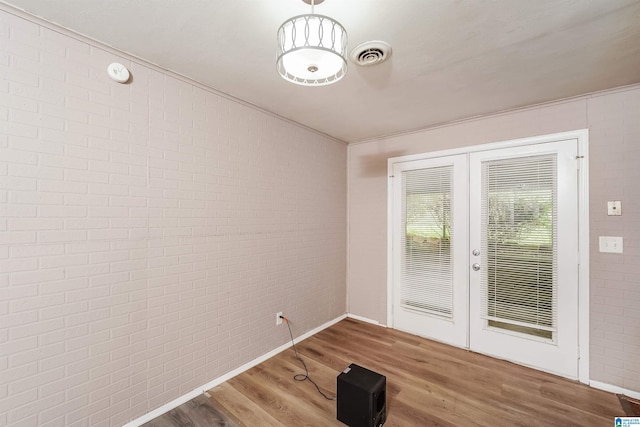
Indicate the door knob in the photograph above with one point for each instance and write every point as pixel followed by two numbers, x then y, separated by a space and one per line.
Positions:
pixel 476 266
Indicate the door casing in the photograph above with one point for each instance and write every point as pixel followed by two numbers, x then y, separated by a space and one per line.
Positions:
pixel 582 138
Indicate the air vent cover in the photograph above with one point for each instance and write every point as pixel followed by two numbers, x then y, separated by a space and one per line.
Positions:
pixel 370 53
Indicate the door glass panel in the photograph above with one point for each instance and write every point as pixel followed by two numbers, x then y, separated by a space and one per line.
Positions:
pixel 519 221
pixel 427 271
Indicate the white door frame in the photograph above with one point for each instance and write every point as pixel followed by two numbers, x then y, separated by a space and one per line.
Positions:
pixel 582 138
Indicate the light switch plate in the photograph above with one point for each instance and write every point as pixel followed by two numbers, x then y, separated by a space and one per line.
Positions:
pixel 611 244
pixel 614 208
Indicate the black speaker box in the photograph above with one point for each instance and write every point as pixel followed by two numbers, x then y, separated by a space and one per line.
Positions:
pixel 361 397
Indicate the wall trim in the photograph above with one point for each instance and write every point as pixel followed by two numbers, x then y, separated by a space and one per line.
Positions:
pixel 23 14
pixel 365 319
pixel 577 98
pixel 584 281
pixel 213 383
pixel 614 389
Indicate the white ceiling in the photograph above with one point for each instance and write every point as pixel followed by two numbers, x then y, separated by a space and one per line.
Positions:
pixel 452 59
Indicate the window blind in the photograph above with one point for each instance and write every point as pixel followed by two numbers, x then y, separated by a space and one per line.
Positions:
pixel 519 256
pixel 427 267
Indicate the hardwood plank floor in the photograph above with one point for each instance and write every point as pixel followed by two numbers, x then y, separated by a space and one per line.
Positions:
pixel 630 405
pixel 428 384
pixel 198 412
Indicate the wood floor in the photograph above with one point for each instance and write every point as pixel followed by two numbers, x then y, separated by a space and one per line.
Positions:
pixel 198 412
pixel 630 405
pixel 428 384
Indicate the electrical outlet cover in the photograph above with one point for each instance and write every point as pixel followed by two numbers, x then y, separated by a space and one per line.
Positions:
pixel 611 244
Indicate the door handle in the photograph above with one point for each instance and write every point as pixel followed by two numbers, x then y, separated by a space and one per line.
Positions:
pixel 475 266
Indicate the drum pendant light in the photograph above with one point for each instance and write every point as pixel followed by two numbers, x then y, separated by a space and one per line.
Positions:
pixel 312 49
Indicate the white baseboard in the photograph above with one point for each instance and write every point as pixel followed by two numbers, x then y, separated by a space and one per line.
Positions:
pixel 211 384
pixel 614 389
pixel 202 389
pixel 365 319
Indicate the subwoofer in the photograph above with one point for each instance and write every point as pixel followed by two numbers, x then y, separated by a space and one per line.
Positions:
pixel 361 397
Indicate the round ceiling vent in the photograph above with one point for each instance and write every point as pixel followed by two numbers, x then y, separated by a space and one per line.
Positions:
pixel 370 53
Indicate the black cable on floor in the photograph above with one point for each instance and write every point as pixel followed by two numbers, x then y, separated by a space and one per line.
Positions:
pixel 305 376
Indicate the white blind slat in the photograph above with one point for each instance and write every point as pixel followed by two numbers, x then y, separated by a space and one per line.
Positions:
pixel 427 272
pixel 519 220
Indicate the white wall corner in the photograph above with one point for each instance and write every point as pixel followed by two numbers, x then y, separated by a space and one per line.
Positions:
pixel 215 382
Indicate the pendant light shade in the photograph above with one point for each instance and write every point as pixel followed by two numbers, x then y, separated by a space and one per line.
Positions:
pixel 312 50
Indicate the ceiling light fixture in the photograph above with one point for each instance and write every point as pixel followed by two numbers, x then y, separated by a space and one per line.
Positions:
pixel 312 49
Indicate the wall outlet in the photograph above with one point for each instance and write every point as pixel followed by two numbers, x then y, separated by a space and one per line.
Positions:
pixel 278 318
pixel 611 244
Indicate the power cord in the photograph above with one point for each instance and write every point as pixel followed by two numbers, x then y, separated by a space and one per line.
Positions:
pixel 305 376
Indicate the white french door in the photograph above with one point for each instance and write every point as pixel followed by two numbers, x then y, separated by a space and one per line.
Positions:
pixel 431 296
pixel 485 252
pixel 523 284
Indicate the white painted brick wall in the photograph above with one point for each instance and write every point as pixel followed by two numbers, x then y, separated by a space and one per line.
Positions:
pixel 615 287
pixel 614 164
pixel 148 233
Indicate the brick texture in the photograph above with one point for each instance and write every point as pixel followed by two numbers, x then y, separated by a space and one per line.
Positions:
pixel 614 163
pixel 149 232
pixel 615 279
